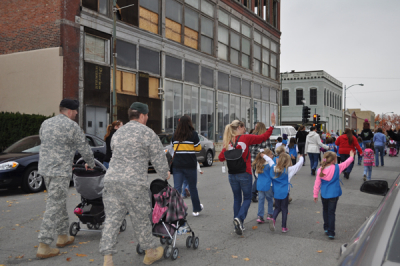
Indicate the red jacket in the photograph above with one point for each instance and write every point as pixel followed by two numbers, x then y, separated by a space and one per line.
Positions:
pixel 345 147
pixel 244 142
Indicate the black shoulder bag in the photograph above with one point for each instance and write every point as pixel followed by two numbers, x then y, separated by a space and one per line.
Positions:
pixel 234 159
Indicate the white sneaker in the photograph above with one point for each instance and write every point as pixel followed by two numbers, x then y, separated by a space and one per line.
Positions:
pixel 198 213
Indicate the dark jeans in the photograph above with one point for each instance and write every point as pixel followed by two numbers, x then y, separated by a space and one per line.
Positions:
pixel 191 176
pixel 294 161
pixel 344 157
pixel 282 205
pixel 254 187
pixel 240 183
pixel 329 209
pixel 313 160
pixel 381 150
pixel 301 146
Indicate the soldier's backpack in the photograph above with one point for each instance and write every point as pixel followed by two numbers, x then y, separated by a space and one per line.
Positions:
pixel 234 159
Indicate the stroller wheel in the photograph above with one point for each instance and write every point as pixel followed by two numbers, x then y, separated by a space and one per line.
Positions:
pixel 74 229
pixel 169 241
pixel 123 226
pixel 167 252
pixel 163 241
pixel 189 241
pixel 175 253
pixel 97 226
pixel 196 242
pixel 139 250
pixel 89 226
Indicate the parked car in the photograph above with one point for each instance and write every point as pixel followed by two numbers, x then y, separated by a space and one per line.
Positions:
pixel 205 156
pixel 279 131
pixel 19 162
pixel 377 241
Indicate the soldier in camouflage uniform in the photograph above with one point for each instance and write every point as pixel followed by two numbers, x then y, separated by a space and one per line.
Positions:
pixel 60 138
pixel 126 185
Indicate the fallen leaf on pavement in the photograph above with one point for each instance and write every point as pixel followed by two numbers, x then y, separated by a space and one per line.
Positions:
pixel 68 259
pixel 319 251
pixel 74 246
pixel 91 260
pixel 13 229
pixel 318 212
pixel 19 257
pixel 35 246
pixel 235 257
pixel 246 259
pixel 81 255
pixel 22 226
pixel 80 243
pixel 37 230
pixel 65 252
pixel 242 236
pixel 73 194
pixel 44 191
pixel 254 227
pixel 208 248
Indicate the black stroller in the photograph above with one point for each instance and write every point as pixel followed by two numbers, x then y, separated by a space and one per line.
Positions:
pixel 167 232
pixel 90 211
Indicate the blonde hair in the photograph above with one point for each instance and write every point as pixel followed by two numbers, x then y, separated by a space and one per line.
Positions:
pixel 259 161
pixel 281 149
pixel 328 159
pixel 283 163
pixel 260 129
pixel 230 132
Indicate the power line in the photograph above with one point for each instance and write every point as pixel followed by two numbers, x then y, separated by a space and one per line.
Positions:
pixel 357 100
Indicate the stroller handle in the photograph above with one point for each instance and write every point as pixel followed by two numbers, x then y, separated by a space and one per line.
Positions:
pixel 98 165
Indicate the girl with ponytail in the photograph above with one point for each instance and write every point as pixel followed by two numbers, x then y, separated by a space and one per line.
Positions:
pixel 111 129
pixel 328 182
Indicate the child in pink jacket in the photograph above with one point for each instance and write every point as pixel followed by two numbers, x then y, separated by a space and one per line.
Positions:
pixel 328 182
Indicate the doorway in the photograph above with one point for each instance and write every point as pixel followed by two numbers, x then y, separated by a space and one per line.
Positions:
pixel 96 121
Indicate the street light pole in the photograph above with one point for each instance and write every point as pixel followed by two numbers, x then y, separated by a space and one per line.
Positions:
pixel 344 105
pixel 114 98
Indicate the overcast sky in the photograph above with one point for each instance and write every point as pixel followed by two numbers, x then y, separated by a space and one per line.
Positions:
pixel 355 41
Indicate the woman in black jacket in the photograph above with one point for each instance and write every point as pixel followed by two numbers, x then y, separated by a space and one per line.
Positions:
pixel 111 129
pixel 301 136
pixel 366 134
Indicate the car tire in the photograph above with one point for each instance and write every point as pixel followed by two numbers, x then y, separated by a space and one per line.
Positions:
pixel 209 159
pixel 32 181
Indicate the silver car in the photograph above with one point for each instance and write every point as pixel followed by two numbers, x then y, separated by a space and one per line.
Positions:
pixel 377 241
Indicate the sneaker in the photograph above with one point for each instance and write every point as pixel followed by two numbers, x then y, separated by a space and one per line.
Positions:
pixel 312 171
pixel 198 213
pixel 326 232
pixel 331 237
pixel 365 178
pixel 269 217
pixel 238 226
pixel 272 225
pixel 285 230
pixel 254 199
pixel 260 220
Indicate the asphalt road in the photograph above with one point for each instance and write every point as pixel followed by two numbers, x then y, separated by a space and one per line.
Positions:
pixel 304 244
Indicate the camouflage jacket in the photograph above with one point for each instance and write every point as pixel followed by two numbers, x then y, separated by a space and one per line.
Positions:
pixel 60 138
pixel 133 146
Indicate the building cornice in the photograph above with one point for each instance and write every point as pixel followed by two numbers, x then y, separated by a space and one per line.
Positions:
pixel 318 74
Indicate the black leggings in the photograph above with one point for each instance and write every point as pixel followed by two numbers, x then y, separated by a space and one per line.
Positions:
pixel 282 205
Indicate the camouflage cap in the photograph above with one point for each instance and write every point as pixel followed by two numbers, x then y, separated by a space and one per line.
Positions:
pixel 140 107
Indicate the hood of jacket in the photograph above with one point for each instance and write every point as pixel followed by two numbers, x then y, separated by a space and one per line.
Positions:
pixel 312 134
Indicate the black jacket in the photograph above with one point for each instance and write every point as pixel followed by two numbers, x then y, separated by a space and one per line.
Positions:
pixel 395 136
pixel 366 134
pixel 301 136
pixel 108 156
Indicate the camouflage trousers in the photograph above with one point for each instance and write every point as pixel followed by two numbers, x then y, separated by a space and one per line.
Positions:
pixel 55 218
pixel 118 199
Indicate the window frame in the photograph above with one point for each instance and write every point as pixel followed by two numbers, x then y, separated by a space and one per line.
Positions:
pixel 313 98
pixel 298 99
pixel 285 98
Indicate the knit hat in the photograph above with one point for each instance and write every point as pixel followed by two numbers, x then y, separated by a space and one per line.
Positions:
pixel 70 104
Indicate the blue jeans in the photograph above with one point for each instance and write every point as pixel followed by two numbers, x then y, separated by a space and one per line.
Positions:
pixel 282 205
pixel 381 150
pixel 106 164
pixel 368 171
pixel 329 210
pixel 262 195
pixel 240 183
pixel 344 157
pixel 313 160
pixel 185 185
pixel 359 158
pixel 180 174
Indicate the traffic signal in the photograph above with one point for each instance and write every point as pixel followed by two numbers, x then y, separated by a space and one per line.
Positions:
pixel 315 118
pixel 318 119
pixel 306 114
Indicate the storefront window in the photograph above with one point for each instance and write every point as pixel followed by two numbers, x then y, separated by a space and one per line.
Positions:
pixel 235 108
pixel 245 114
pixel 190 103
pixel 258 112
pixel 207 113
pixel 173 102
pixel 223 114
pixel 266 117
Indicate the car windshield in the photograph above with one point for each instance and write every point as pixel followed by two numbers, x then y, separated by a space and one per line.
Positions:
pixel 165 139
pixel 28 144
pixel 276 132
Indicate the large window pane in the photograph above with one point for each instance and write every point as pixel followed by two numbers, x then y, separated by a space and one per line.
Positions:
pixel 149 60
pixel 207 8
pixel 222 51
pixel 207 27
pixel 223 35
pixel 191 72
pixel 150 5
pixel 235 85
pixel 246 87
pixel 273 72
pixel 246 30
pixel 223 81
pixel 223 114
pixel 173 10
pixel 234 108
pixel 274 47
pixel 193 3
pixel 272 97
pixel 235 24
pixel 265 93
pixel 173 110
pixel 245 61
pixel 245 112
pixel 234 57
pixel 257 37
pixel 246 46
pixel 273 60
pixel 267 116
pixel 265 70
pixel 95 48
pixel 235 41
pixel 191 104
pixel 191 19
pixel 207 114
pixel 257 66
pixel 265 41
pixel 257 112
pixel 126 54
pixel 195 107
pixel 257 51
pixel 103 7
pixel 223 17
pixel 173 67
pixel 265 56
pixel 206 45
pixel 257 91
pixel 207 77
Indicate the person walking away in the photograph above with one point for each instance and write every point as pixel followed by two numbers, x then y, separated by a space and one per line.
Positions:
pixel 264 185
pixel 366 134
pixel 379 144
pixel 126 184
pixel 60 138
pixel 281 174
pixel 368 161
pixel 186 143
pixel 330 143
pixel 312 148
pixel 292 150
pixel 301 136
pixel 239 170
pixel 328 182
pixel 111 129
pixel 255 149
pixel 360 142
pixel 347 142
